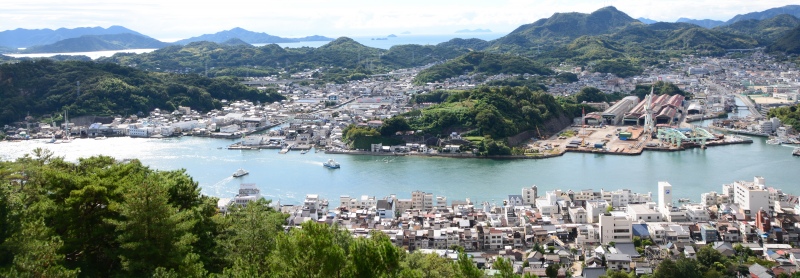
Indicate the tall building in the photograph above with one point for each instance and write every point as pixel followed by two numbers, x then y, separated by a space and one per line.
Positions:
pixel 421 200
pixel 752 196
pixel 664 196
pixel 529 195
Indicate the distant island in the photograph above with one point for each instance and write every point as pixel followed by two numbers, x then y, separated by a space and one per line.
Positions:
pixel 391 36
pixel 474 31
pixel 406 33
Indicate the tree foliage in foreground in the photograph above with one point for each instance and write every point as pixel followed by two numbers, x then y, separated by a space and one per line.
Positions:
pixel 101 218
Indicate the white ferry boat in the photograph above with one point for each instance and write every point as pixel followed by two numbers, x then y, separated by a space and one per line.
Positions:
pixel 240 172
pixel 331 164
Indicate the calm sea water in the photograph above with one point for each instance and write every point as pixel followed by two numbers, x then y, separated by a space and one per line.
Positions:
pixel 288 177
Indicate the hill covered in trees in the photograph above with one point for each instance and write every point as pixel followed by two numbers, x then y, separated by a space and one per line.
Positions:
pixel 487 111
pixel 789 115
pixel 484 63
pixel 42 87
pixel 98 43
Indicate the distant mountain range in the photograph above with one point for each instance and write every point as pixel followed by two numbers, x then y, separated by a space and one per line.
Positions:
pixel 793 10
pixel 248 37
pixel 98 43
pixel 23 38
pixel 705 23
pixel 646 20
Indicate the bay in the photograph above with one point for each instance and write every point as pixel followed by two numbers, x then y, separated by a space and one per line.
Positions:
pixel 289 177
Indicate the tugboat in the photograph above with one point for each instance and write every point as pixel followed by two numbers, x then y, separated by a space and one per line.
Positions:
pixel 331 164
pixel 239 173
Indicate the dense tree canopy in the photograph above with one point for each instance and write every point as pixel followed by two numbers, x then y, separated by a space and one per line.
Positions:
pixel 496 112
pixel 42 87
pixel 789 115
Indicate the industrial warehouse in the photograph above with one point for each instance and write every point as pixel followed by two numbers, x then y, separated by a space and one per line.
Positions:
pixel 631 125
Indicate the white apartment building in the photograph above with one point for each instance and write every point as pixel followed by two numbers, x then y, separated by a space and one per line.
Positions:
pixel 615 227
pixel 578 215
pixel 529 195
pixel 365 202
pixel 697 213
pixel 623 197
pixel 751 196
pixel 594 208
pixel 643 212
pixel 713 198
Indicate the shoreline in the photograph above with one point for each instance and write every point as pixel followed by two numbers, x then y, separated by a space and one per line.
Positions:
pixel 544 156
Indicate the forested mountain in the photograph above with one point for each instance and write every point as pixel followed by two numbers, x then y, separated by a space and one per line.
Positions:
pixel 793 10
pixel 241 60
pixel 788 43
pixel 42 87
pixel 764 31
pixel 484 63
pixel 248 37
pixel 98 43
pixel 564 27
pixel 495 112
pixel 19 38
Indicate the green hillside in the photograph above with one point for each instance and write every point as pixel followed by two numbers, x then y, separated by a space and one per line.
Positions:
pixel 764 31
pixel 98 43
pixel 42 87
pixel 488 111
pixel 788 43
pixel 562 28
pixel 483 63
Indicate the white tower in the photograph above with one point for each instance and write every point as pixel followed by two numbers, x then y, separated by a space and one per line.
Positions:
pixel 664 195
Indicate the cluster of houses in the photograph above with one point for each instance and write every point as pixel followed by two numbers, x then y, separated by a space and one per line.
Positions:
pixel 581 229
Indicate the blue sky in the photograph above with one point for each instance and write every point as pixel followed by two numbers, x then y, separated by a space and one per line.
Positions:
pixel 171 20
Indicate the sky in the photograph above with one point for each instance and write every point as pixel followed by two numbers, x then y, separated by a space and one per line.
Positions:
pixel 170 20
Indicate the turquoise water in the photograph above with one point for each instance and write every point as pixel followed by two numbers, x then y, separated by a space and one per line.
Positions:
pixel 289 177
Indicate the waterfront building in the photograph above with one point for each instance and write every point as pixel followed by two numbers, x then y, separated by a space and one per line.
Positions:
pixel 421 200
pixel 751 196
pixel 529 195
pixel 614 114
pixel 713 198
pixel 623 197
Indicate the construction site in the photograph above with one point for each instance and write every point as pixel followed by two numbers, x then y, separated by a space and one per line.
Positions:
pixel 631 126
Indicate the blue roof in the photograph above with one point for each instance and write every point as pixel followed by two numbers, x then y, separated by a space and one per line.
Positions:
pixel 640 230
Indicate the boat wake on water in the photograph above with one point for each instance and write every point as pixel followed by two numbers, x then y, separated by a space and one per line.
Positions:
pixel 220 184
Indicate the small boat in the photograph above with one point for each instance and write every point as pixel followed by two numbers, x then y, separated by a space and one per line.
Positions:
pixel 331 164
pixel 304 152
pixel 240 172
pixel 101 138
pixel 796 152
pixel 684 200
